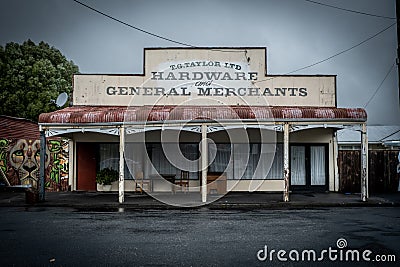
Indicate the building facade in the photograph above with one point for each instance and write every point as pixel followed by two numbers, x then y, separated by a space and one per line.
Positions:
pixel 20 156
pixel 207 121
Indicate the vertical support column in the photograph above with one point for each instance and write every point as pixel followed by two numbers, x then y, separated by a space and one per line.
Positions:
pixel 286 161
pixel 336 163
pixel 71 168
pixel 42 178
pixel 204 162
pixel 121 186
pixel 364 163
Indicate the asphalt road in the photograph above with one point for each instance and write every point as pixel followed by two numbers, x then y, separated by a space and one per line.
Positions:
pixel 203 237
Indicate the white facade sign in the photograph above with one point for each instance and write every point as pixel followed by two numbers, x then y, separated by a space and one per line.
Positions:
pixel 200 76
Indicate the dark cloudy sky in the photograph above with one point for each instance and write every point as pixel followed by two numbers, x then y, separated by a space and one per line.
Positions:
pixel 296 33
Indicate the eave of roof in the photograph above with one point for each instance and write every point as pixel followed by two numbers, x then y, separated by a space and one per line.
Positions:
pixel 113 114
pixel 18 128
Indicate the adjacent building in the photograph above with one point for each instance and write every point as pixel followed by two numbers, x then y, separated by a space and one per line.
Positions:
pixel 20 155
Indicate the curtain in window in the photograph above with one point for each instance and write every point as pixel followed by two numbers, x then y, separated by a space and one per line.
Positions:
pixel 256 163
pixel 160 161
pixel 134 160
pixel 298 166
pixel 163 166
pixel 240 160
pixel 109 156
pixel 222 154
pixel 191 152
pixel 246 157
pixel 317 165
pixel 276 171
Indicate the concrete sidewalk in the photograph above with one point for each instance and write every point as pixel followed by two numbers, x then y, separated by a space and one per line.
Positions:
pixel 234 200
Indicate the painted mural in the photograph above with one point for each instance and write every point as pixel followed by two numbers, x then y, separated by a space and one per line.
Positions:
pixel 20 161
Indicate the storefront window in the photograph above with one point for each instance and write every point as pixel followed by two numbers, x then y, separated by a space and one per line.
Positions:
pixel 222 154
pixel 255 159
pixel 247 161
pixel 163 166
pixel 109 158
pixel 276 171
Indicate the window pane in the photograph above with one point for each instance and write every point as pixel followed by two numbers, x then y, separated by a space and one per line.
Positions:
pixel 222 156
pixel 317 165
pixel 134 159
pixel 109 156
pixel 246 157
pixel 298 165
pixel 163 166
pixel 276 171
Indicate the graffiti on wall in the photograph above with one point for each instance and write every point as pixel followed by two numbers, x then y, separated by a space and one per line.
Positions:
pixel 20 161
pixel 58 166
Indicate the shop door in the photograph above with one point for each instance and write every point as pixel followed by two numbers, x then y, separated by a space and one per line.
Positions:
pixel 86 166
pixel 308 168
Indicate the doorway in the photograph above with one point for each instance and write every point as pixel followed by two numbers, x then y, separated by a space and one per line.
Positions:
pixel 86 166
pixel 308 167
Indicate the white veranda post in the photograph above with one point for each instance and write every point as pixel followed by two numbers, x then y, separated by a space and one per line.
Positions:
pixel 286 161
pixel 364 163
pixel 121 189
pixel 204 161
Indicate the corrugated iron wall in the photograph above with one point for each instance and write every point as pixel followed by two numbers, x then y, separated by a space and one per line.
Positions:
pixel 382 173
pixel 18 128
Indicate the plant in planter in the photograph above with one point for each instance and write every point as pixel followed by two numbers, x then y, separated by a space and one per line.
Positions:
pixel 105 177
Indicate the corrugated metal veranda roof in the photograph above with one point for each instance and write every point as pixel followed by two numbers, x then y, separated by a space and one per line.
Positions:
pixel 108 114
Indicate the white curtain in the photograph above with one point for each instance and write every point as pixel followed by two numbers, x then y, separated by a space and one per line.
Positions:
pixel 134 159
pixel 222 156
pixel 246 157
pixel 162 164
pixel 240 160
pixel 160 161
pixel 276 171
pixel 252 163
pixel 191 152
pixel 298 166
pixel 109 156
pixel 317 165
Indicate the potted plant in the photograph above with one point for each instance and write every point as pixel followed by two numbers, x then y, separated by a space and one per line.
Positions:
pixel 105 177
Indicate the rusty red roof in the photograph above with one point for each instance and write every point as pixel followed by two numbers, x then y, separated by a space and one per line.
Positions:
pixel 18 128
pixel 107 114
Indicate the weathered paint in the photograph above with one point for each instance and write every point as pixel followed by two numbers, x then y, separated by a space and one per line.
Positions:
pixel 71 164
pixel 114 90
pixel 121 187
pixel 104 114
pixel 204 162
pixel 286 162
pixel 364 163
pixel 335 164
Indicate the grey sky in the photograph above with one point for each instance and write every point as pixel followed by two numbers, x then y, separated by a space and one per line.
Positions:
pixel 296 33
